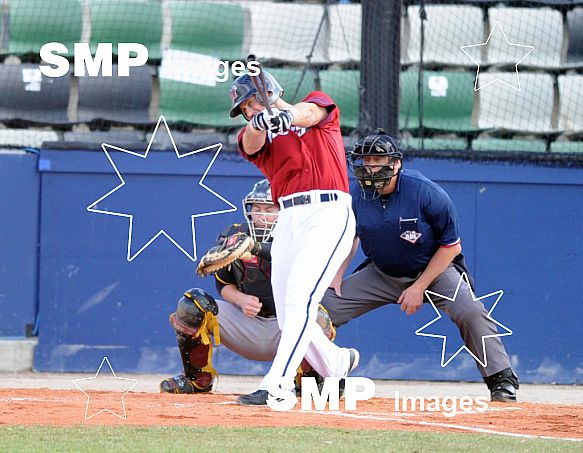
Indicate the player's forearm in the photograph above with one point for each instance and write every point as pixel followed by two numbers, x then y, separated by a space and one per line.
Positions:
pixel 307 114
pixel 253 140
pixel 230 293
pixel 438 263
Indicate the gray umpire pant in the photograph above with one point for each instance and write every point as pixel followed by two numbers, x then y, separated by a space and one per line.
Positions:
pixel 370 288
pixel 253 338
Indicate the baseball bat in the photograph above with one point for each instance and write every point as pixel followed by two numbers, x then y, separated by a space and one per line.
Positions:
pixel 259 83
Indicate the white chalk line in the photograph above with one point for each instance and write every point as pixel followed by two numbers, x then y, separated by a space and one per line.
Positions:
pixel 376 417
pixel 445 425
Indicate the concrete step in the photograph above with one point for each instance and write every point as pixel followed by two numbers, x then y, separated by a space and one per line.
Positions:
pixel 17 353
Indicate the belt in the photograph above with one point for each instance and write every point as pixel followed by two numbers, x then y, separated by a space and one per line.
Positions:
pixel 308 199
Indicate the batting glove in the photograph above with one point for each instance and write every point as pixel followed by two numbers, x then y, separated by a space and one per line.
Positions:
pixel 261 120
pixel 280 121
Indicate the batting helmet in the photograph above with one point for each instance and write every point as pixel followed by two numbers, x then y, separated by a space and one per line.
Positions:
pixel 191 311
pixel 243 88
pixel 261 193
pixel 378 144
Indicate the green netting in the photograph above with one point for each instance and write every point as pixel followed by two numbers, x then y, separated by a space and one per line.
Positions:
pixel 36 22
pixel 121 21
pixel 295 82
pixel 209 28
pixel 343 87
pixel 319 45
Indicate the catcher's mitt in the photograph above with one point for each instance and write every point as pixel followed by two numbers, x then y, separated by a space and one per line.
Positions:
pixel 235 247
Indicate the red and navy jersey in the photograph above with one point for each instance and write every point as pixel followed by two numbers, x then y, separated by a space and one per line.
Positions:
pixel 304 159
pixel 402 233
pixel 252 276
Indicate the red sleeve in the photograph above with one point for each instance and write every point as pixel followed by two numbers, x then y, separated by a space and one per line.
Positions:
pixel 323 100
pixel 252 157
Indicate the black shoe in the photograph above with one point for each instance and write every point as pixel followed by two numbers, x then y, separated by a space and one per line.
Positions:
pixel 182 384
pixel 257 398
pixel 502 385
pixel 312 373
pixel 354 359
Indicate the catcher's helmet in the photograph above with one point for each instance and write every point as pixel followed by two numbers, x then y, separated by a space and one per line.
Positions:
pixel 261 193
pixel 191 310
pixel 243 88
pixel 378 144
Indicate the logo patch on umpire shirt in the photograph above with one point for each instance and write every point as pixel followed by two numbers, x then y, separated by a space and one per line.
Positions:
pixel 411 236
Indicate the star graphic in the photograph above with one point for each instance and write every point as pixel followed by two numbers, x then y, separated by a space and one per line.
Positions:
pixel 498 294
pixel 102 402
pixel 518 50
pixel 152 207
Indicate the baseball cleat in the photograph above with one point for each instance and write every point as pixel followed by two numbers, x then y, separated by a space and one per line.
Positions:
pixel 182 384
pixel 502 386
pixel 354 358
pixel 257 398
pixel 503 393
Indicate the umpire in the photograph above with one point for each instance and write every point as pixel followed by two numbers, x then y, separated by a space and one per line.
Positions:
pixel 408 228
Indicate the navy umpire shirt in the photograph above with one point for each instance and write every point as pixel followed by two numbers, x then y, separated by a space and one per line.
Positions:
pixel 401 233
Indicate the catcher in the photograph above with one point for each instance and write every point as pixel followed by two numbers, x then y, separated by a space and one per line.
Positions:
pixel 244 321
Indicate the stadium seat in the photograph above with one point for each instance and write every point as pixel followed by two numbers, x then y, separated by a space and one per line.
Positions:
pixel 197 104
pixel 567 147
pixel 570 106
pixel 114 137
pixel 454 144
pixel 448 101
pixel 21 138
pixel 27 95
pixel 345 31
pixel 575 27
pixel 528 110
pixel 121 21
pixel 208 28
pixel 286 32
pixel 36 22
pixel 116 99
pixel 499 144
pixel 541 28
pixel 447 28
pixel 292 83
pixel 343 88
pixel 186 141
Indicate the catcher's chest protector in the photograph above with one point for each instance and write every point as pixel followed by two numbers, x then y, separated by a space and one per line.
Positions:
pixel 254 277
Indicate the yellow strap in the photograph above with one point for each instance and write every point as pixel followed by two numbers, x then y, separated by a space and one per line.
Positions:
pixel 209 323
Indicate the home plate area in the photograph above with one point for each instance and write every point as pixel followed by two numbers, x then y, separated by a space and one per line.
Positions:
pixel 70 407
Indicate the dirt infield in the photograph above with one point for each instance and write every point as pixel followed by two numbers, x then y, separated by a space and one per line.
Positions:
pixel 68 407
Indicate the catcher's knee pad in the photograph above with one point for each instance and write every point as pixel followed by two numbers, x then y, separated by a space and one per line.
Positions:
pixel 194 321
pixel 325 323
pixel 196 309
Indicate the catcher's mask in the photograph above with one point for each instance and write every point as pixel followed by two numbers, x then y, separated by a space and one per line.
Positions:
pixel 243 88
pixel 371 175
pixel 260 223
pixel 192 310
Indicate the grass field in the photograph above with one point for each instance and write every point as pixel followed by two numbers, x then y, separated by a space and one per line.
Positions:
pixel 218 439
